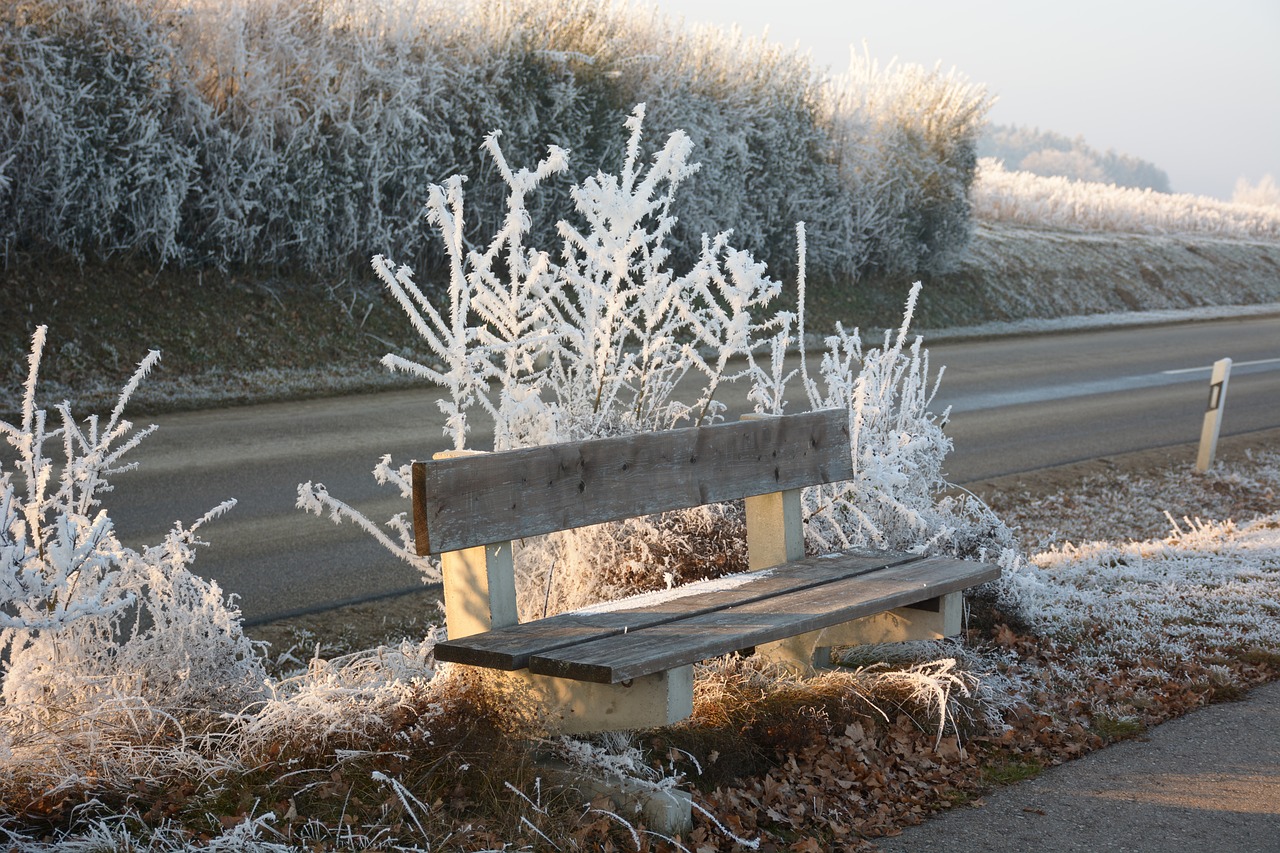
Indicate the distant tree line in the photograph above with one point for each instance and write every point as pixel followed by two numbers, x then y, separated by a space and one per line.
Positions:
pixel 1049 154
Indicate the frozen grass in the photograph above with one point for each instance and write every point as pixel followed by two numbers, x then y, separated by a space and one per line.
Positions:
pixel 1056 202
pixel 1115 595
pixel 1206 589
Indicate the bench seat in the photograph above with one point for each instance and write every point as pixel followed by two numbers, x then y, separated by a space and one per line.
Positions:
pixel 635 637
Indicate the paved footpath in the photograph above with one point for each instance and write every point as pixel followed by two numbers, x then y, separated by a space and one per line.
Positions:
pixel 1208 782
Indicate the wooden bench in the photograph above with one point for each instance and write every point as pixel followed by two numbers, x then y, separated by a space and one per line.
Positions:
pixel 629 664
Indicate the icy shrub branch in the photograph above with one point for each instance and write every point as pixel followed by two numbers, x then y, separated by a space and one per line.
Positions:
pixel 83 619
pixel 605 336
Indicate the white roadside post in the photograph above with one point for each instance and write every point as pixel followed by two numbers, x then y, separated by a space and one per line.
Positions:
pixel 1213 415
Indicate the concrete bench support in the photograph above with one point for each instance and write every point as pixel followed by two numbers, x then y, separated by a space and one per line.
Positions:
pixel 930 620
pixel 480 595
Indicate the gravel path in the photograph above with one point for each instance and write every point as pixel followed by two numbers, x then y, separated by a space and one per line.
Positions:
pixel 1209 781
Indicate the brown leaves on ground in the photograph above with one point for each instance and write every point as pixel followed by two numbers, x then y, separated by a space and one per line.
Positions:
pixel 866 777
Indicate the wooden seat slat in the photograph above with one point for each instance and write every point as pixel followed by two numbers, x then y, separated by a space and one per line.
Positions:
pixel 686 640
pixel 511 648
pixel 466 501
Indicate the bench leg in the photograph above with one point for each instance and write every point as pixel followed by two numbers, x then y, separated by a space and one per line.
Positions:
pixel 929 620
pixel 579 707
pixel 803 653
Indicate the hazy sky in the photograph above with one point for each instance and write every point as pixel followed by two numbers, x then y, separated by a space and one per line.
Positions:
pixel 1193 87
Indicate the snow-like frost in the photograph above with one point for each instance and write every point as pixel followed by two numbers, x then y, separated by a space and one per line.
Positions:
pixel 653 599
pixel 1206 586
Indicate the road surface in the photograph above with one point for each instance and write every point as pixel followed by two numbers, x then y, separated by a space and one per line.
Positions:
pixel 1017 404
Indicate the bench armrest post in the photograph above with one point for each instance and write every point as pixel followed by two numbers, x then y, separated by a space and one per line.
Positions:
pixel 479 589
pixel 775 524
pixel 775 529
pixel 479 582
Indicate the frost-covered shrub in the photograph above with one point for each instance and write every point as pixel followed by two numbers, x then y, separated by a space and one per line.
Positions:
pixel 288 133
pixel 904 140
pixel 1263 194
pixel 895 499
pixel 86 622
pixel 89 94
pixel 613 339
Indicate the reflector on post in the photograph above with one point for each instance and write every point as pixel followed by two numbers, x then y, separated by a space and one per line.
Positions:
pixel 1213 415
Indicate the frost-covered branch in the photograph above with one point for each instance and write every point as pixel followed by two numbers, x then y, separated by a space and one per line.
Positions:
pixel 83 619
pixel 606 336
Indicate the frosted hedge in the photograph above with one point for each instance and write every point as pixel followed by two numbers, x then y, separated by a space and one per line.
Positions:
pixel 300 134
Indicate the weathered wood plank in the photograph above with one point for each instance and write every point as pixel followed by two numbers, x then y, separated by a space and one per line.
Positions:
pixel 477 500
pixel 511 647
pixel 707 635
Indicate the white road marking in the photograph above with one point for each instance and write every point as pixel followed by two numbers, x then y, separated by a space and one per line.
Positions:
pixel 1040 394
pixel 1234 365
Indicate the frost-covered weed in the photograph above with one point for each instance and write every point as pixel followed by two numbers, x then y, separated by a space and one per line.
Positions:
pixel 894 500
pixel 1029 199
pixel 594 345
pixel 84 620
pixel 953 685
pixel 607 337
pixel 117 664
pixel 1265 193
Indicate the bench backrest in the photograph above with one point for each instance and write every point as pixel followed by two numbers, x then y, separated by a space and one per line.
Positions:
pixel 468 500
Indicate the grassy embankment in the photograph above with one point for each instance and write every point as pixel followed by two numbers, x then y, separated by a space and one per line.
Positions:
pixel 232 338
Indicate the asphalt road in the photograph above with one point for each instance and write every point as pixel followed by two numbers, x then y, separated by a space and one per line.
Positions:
pixel 1018 404
pixel 1030 402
